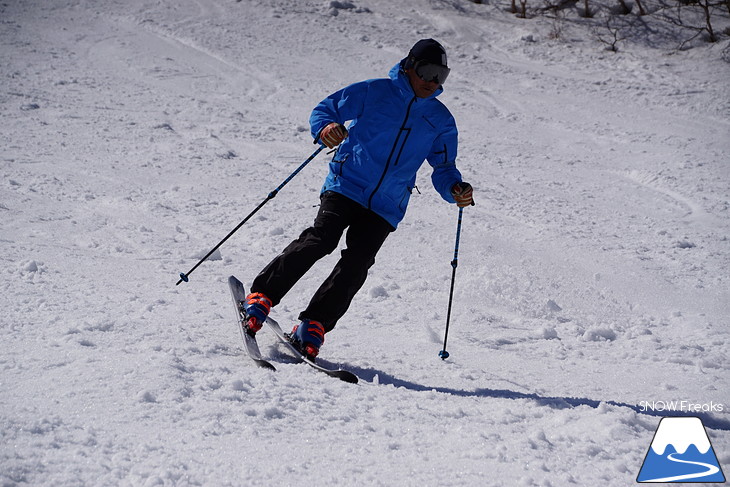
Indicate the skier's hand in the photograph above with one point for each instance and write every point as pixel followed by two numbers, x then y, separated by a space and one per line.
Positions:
pixel 333 134
pixel 463 194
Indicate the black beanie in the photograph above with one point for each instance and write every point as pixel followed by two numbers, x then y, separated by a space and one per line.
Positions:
pixel 428 50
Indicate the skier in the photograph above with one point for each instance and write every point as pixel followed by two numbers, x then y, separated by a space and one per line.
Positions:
pixel 396 124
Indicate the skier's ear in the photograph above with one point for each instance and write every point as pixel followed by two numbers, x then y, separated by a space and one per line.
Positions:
pixel 408 63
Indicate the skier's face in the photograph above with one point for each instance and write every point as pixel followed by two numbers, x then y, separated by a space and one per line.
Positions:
pixel 422 88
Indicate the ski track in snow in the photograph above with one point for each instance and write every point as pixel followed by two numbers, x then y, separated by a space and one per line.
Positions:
pixel 593 271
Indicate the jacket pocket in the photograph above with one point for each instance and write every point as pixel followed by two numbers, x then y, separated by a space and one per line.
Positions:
pixel 338 164
pixel 403 203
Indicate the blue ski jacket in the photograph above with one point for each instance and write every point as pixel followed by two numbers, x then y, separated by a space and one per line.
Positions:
pixel 391 133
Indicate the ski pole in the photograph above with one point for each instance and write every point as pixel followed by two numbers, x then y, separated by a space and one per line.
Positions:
pixel 184 276
pixel 454 263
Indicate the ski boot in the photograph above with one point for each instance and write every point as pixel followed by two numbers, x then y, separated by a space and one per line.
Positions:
pixel 308 337
pixel 257 309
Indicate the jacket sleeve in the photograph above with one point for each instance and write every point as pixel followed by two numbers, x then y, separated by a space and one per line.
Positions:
pixel 341 106
pixel 442 159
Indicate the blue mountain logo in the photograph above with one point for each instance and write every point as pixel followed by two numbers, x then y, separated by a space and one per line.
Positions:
pixel 681 452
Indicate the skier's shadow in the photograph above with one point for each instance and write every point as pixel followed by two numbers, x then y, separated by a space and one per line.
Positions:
pixel 384 378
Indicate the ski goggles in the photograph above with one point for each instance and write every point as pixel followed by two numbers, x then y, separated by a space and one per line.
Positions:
pixel 433 73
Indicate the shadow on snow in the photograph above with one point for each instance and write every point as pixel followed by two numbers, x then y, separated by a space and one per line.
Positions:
pixel 552 402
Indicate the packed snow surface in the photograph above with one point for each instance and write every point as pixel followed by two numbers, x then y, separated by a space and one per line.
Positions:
pixel 593 284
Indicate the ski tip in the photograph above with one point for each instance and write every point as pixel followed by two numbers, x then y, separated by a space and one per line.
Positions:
pixel 346 376
pixel 233 281
pixel 264 364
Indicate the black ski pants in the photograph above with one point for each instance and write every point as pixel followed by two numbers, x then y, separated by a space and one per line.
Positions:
pixel 366 233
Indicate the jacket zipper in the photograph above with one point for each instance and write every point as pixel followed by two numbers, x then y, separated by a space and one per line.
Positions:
pixel 390 156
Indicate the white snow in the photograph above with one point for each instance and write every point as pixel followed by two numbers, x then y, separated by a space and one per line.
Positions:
pixel 594 271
